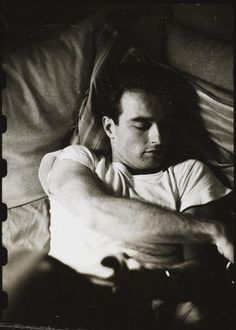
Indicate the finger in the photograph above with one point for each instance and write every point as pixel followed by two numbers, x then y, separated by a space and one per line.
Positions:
pixel 133 264
pixel 104 272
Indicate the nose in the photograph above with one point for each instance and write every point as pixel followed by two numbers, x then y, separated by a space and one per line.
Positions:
pixel 154 134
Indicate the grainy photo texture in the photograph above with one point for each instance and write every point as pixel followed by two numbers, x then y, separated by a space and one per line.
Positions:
pixel 118 192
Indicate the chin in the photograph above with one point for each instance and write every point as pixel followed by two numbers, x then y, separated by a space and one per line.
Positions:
pixel 150 166
pixel 153 165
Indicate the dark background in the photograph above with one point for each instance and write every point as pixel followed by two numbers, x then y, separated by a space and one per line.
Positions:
pixel 20 20
pixel 24 19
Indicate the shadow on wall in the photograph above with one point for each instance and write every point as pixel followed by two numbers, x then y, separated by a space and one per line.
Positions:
pixel 22 19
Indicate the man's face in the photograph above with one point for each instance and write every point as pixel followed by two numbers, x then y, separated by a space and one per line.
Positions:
pixel 135 139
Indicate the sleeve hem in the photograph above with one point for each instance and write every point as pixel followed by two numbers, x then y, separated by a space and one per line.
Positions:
pixel 204 199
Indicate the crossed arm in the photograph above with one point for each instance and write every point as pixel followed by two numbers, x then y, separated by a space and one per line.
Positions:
pixel 133 221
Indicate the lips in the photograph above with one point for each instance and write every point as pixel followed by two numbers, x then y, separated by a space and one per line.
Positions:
pixel 154 150
pixel 153 153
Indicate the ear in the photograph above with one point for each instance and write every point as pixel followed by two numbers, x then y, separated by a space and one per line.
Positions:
pixel 108 125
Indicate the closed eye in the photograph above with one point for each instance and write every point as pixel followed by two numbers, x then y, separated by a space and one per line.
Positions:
pixel 142 126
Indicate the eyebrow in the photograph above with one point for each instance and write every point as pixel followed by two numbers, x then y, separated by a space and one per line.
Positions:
pixel 141 119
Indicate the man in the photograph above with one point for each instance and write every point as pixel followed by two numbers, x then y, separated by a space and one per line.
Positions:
pixel 129 212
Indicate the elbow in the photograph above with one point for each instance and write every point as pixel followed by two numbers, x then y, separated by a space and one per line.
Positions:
pixel 79 204
pixel 72 189
pixel 55 184
pixel 58 178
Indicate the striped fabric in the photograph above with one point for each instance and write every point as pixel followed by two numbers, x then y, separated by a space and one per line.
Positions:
pixel 218 118
pixel 91 133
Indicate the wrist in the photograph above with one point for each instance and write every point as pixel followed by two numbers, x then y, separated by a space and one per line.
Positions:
pixel 217 232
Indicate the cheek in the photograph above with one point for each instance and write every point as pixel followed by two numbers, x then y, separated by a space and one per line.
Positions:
pixel 129 141
pixel 134 147
pixel 138 140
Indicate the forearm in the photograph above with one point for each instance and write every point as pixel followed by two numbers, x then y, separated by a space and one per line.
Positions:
pixel 137 221
pixel 132 221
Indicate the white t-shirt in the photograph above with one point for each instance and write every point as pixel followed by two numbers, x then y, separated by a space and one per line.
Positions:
pixel 184 185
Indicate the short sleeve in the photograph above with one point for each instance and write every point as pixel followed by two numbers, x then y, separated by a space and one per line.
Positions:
pixel 197 184
pixel 77 153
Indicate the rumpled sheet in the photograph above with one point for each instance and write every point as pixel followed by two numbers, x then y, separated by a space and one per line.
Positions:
pixel 27 227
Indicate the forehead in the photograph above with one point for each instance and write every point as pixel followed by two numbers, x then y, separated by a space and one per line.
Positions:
pixel 140 104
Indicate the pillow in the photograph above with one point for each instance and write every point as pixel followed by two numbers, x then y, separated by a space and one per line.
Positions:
pixel 208 64
pixel 202 57
pixel 218 118
pixel 110 50
pixel 27 227
pixel 46 82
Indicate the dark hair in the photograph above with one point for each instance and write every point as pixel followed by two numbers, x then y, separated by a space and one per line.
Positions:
pixel 181 127
pixel 155 79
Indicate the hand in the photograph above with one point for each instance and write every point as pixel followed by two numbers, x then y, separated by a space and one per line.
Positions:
pixel 120 264
pixel 131 278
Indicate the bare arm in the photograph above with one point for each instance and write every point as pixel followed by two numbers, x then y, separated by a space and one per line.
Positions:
pixel 132 221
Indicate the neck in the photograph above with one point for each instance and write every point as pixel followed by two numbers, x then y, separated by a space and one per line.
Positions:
pixel 136 171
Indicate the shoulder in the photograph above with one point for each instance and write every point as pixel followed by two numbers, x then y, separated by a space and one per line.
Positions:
pixel 194 172
pixel 188 170
pixel 77 153
pixel 197 184
pixel 191 165
pixel 74 151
